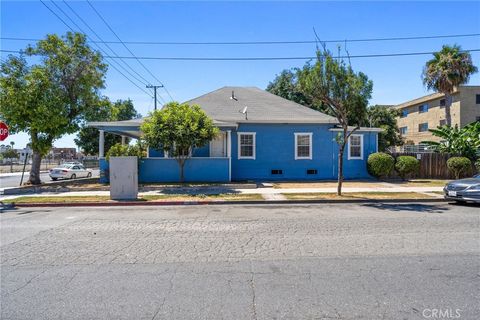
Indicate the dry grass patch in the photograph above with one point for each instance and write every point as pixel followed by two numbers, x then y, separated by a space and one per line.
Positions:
pixel 421 183
pixel 357 195
pixel 162 197
pixel 59 199
pixel 327 184
pixel 203 197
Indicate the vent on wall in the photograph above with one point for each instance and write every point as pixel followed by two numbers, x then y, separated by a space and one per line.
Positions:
pixel 312 171
pixel 277 171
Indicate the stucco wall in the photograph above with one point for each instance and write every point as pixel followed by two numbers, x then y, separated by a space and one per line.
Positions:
pixel 167 170
pixel 275 149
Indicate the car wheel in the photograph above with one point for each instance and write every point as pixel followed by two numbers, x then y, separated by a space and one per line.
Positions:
pixel 89 175
pixel 73 176
pixel 54 179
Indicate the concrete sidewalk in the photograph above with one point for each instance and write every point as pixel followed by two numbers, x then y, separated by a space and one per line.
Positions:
pixel 267 193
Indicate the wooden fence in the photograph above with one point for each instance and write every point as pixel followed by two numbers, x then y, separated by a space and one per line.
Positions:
pixel 432 166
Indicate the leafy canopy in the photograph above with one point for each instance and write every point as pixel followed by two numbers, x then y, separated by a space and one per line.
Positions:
pixel 449 68
pixel 381 116
pixel 335 86
pixel 87 137
pixel 178 128
pixel 464 142
pixel 50 99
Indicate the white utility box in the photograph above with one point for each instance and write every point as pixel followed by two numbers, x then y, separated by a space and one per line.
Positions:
pixel 123 178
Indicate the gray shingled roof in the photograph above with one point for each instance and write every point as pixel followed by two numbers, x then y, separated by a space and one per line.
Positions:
pixel 263 107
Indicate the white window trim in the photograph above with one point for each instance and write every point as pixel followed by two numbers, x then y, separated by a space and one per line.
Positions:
pixel 309 134
pixel 361 147
pixel 239 134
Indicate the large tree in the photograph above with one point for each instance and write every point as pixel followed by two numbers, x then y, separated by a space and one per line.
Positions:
pixel 332 83
pixel 87 137
pixel 449 68
pixel 286 86
pixel 381 116
pixel 177 129
pixel 51 98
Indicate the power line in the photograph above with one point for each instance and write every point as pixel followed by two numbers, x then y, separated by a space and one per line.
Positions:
pixel 128 49
pixel 96 45
pixel 96 34
pixel 271 42
pixel 71 29
pixel 400 54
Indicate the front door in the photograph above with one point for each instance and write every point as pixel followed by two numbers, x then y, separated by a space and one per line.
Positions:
pixel 218 146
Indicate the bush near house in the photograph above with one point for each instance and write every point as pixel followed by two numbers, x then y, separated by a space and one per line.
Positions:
pixel 119 150
pixel 406 165
pixel 459 166
pixel 380 164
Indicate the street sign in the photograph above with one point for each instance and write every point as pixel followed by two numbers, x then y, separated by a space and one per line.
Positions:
pixel 3 131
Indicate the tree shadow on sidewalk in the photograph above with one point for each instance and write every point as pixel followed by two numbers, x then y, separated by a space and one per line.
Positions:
pixel 417 207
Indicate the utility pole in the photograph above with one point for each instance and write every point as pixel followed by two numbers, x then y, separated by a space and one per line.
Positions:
pixel 154 92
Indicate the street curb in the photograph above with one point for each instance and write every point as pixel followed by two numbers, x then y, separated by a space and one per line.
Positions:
pixel 239 202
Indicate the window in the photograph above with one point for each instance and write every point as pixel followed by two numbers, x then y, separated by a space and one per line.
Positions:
pixel 246 145
pixel 423 108
pixel 422 127
pixel 312 171
pixel 403 130
pixel 442 102
pixel 303 146
pixel 355 146
pixel 277 171
pixel 477 97
pixel 443 122
pixel 404 113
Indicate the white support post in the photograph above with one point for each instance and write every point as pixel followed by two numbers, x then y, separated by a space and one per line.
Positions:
pixel 229 154
pixel 123 140
pixel 101 144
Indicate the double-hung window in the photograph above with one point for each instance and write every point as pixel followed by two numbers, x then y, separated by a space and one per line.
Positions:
pixel 355 146
pixel 246 145
pixel 303 146
pixel 403 130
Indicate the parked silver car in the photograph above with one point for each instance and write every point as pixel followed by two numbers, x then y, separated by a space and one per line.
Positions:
pixel 70 171
pixel 463 190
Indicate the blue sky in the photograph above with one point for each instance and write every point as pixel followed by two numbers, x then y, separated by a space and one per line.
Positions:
pixel 396 79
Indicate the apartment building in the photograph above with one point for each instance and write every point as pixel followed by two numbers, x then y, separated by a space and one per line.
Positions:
pixel 428 112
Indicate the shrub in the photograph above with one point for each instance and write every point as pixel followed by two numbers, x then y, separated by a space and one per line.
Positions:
pixel 406 165
pixel 459 166
pixel 119 150
pixel 380 164
pixel 477 165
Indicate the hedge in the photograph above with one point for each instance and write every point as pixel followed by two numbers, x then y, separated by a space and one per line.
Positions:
pixel 459 166
pixel 406 165
pixel 380 164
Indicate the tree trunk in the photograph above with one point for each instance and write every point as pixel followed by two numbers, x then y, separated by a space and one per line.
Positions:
pixel 340 168
pixel 181 163
pixel 35 168
pixel 448 105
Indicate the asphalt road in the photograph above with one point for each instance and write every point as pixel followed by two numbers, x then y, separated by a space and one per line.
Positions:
pixel 339 261
pixel 14 180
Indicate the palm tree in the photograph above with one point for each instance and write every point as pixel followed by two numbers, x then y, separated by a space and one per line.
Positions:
pixel 449 68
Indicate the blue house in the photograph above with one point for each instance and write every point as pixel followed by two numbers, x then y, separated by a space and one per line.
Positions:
pixel 262 137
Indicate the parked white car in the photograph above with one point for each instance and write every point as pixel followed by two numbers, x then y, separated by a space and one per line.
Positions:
pixel 70 171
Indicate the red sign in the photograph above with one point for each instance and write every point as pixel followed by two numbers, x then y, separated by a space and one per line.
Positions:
pixel 3 131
